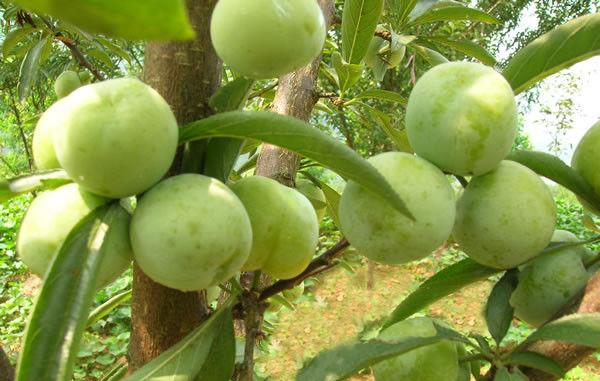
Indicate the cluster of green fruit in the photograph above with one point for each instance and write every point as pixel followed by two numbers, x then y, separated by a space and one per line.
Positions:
pixel 117 139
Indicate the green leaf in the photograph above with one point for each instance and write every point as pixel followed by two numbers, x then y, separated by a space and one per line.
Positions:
pixel 300 137
pixel 100 54
pixel 579 329
pixel 348 74
pixel 348 359
pixel 60 313
pixel 29 69
pixel 14 37
pixel 498 311
pixel 186 359
pixel 359 20
pixel 454 13
pixel 10 188
pixel 445 282
pixel 567 44
pixel 504 375
pixel 278 298
pixel 106 307
pixel 220 363
pixel 400 9
pixel 231 96
pixel 333 201
pixel 398 137
pixel 131 19
pixel 467 47
pixel 537 361
pixel 116 373
pixel 432 56
pixel 556 170
pixel 382 95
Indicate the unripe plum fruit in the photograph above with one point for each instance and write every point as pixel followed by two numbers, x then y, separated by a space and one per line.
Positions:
pixel 585 162
pixel 42 146
pixel 462 117
pixel 115 138
pixel 433 362
pixel 66 83
pixel 383 234
pixel 52 216
pixel 315 195
pixel 267 38
pixel 190 232
pixel 505 217
pixel 284 227
pixel 548 283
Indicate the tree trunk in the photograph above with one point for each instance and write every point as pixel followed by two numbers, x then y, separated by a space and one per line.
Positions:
pixel 7 372
pixel 186 74
pixel 296 96
pixel 568 355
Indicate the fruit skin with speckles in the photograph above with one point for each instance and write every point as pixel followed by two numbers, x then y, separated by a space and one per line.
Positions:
pixel 66 83
pixel 505 217
pixel 433 362
pixel 315 195
pixel 50 218
pixel 383 234
pixel 462 117
pixel 284 227
pixel 585 162
pixel 267 38
pixel 190 232
pixel 115 138
pixel 548 283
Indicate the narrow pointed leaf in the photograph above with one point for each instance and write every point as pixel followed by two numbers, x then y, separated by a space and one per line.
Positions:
pixel 108 306
pixel 466 47
pixel 432 56
pixel 29 69
pixel 445 282
pixel 333 202
pixel 537 361
pixel 14 37
pixel 359 21
pixel 185 360
pixel 300 137
pixel 382 95
pixel 579 329
pixel 556 170
pixel 348 74
pixel 567 44
pixel 455 13
pixel 61 310
pixel 131 19
pixel 220 363
pixel 10 188
pixel 498 311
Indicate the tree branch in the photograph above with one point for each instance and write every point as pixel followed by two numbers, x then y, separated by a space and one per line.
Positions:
pixel 7 372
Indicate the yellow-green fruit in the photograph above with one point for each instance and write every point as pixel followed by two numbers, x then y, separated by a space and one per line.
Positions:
pixel 190 232
pixel 315 195
pixel 462 117
pixel 50 218
pixel 85 77
pixel 383 234
pixel 44 154
pixel 433 362
pixel 284 227
pixel 548 283
pixel 505 217
pixel 267 38
pixel 66 83
pixel 115 138
pixel 585 162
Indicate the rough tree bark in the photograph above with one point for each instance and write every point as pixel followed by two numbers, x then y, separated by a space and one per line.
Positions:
pixel 186 74
pixel 568 355
pixel 7 372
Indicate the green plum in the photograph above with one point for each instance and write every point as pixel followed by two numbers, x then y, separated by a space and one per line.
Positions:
pixel 50 218
pixel 585 162
pixel 315 195
pixel 462 117
pixel 433 362
pixel 115 138
pixel 85 77
pixel 42 146
pixel 267 38
pixel 383 234
pixel 284 227
pixel 66 83
pixel 505 217
pixel 190 232
pixel 548 283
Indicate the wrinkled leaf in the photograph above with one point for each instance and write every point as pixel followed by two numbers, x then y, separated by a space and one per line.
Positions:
pixel 359 20
pixel 10 188
pixel 498 311
pixel 300 137
pixel 567 44
pixel 579 329
pixel 537 361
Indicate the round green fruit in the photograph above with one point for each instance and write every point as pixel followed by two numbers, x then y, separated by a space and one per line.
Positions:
pixel 42 146
pixel 462 117
pixel 115 138
pixel 433 362
pixel 85 77
pixel 315 195
pixel 505 217
pixel 50 218
pixel 284 227
pixel 585 162
pixel 66 83
pixel 383 234
pixel 190 232
pixel 267 38
pixel 548 283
